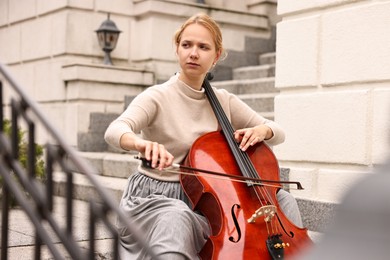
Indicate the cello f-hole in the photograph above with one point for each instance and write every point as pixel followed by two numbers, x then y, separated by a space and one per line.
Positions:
pixel 235 224
pixel 290 234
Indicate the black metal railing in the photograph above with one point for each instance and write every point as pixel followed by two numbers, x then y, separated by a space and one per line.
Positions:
pixel 36 198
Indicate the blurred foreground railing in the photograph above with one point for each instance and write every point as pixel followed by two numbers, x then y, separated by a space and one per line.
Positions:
pixel 35 197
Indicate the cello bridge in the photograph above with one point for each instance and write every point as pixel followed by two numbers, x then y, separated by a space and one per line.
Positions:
pixel 267 211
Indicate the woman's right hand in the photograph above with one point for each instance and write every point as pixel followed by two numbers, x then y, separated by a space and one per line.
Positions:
pixel 156 153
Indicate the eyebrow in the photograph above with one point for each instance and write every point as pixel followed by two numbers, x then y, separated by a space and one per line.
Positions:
pixel 201 43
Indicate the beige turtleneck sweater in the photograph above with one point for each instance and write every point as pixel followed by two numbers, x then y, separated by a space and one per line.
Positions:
pixel 175 115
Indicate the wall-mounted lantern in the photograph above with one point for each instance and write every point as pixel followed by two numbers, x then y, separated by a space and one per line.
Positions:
pixel 108 35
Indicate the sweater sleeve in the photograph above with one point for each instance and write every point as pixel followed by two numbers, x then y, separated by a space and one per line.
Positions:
pixel 135 118
pixel 243 116
pixel 278 132
pixel 114 133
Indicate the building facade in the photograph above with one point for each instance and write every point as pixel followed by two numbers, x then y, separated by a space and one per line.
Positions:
pixel 52 49
pixel 332 70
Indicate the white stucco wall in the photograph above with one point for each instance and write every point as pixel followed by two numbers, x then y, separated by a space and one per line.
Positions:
pixel 332 68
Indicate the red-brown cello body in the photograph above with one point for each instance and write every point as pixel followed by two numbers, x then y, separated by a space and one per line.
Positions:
pixel 228 205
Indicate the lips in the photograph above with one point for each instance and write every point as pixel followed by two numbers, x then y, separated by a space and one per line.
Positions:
pixel 192 64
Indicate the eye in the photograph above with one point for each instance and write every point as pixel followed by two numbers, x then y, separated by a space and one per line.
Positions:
pixel 185 45
pixel 204 47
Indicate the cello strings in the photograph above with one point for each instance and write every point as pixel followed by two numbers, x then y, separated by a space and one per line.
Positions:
pixel 242 158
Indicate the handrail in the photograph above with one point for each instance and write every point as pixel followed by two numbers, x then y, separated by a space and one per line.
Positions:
pixel 23 108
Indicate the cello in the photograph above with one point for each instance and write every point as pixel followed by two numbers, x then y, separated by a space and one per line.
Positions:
pixel 244 217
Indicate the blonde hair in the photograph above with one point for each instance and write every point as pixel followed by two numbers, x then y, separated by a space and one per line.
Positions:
pixel 206 21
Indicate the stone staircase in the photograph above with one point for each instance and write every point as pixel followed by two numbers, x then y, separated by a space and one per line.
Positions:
pixel 253 84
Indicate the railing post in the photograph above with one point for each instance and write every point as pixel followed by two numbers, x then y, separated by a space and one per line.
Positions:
pixel 1 108
pixel 38 243
pixel 14 130
pixel 5 193
pixel 92 230
pixel 4 223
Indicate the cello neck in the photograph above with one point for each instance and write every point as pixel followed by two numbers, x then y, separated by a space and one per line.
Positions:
pixel 242 158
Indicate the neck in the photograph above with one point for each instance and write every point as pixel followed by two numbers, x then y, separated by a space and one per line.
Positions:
pixel 193 82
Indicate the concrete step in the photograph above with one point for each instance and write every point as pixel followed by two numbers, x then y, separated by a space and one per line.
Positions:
pixel 267 58
pixel 113 170
pixel 93 140
pixel 261 103
pixel 254 72
pixel 22 233
pixel 247 86
pixel 84 190
pixel 119 165
pixel 259 94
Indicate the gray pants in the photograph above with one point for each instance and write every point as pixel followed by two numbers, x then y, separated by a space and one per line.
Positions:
pixel 289 206
pixel 173 230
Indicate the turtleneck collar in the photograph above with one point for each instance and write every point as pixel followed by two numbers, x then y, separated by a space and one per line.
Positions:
pixel 188 91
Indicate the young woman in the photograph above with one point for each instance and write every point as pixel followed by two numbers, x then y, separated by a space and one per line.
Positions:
pixel 161 124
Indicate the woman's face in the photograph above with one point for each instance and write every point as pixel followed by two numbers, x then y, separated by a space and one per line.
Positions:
pixel 196 52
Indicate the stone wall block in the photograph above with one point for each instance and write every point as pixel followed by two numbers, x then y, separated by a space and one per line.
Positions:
pixel 85 4
pixel 307 177
pixel 104 74
pixel 10 51
pixel 58 33
pixel 368 59
pixel 24 74
pixel 3 13
pixel 152 38
pixel 381 125
pixel 329 127
pixel 36 37
pixel 83 40
pixel 57 115
pixel 44 6
pixel 40 79
pixel 19 10
pixel 82 91
pixel 47 85
pixel 297 48
pixel 286 7
pixel 333 184
pixel 120 6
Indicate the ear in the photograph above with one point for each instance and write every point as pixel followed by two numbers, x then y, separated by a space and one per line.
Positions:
pixel 217 57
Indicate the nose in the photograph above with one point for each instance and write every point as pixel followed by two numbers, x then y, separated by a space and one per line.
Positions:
pixel 194 53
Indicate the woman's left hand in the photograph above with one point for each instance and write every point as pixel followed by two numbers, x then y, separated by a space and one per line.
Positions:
pixel 250 136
